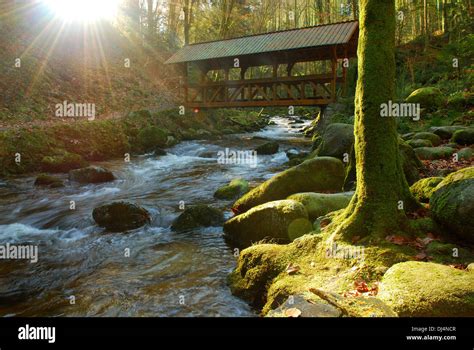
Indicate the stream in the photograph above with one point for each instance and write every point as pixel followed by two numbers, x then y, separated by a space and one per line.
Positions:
pixel 84 271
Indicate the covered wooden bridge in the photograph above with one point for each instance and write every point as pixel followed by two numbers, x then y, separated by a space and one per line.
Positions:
pixel 333 43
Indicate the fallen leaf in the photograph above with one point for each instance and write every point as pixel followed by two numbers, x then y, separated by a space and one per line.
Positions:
pixel 459 266
pixel 421 256
pixel 293 312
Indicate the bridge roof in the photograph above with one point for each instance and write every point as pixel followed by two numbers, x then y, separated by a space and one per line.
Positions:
pixel 268 43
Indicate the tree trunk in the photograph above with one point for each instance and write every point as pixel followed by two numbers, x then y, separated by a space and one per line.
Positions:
pixel 382 194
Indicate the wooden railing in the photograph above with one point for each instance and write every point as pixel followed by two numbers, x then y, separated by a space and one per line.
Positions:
pixel 281 91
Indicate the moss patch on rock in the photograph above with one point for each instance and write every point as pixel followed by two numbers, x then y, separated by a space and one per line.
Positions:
pixel 196 216
pixel 433 153
pixel 464 137
pixel 319 204
pixel 234 189
pixel 322 174
pixel 433 138
pixel 420 289
pixel 429 97
pixel 424 188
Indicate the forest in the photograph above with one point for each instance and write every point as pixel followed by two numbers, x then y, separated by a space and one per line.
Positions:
pixel 237 158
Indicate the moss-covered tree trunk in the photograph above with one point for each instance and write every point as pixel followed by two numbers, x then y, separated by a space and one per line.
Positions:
pixel 382 193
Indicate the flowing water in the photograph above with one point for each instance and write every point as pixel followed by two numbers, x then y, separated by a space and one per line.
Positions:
pixel 151 271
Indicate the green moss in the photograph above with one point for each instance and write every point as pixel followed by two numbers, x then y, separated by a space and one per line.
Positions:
pixel 462 174
pixel 419 289
pixel 62 163
pixel 415 143
pixel 235 188
pixel 433 138
pixel 320 204
pixel 433 153
pixel 151 137
pixel 198 215
pixel 424 188
pixel 464 137
pixel 429 97
pixel 322 174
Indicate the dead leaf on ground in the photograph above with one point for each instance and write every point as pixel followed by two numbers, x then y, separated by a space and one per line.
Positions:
pixel 293 312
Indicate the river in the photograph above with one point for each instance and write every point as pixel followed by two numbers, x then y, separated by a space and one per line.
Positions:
pixel 151 271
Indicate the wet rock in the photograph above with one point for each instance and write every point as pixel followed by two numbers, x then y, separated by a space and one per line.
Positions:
pixel 208 155
pixel 92 174
pixel 424 289
pixel 319 204
pixel 197 216
pixel 281 221
pixel 268 148
pixel 321 174
pixel 432 153
pixel 160 152
pixel 234 189
pixel 48 181
pixel 120 216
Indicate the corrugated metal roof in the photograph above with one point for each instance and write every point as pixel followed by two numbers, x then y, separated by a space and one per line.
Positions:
pixel 329 34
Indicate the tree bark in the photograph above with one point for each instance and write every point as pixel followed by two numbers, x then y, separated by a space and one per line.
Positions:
pixel 382 194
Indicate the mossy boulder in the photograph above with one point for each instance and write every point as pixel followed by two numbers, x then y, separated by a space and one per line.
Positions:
pixel 120 216
pixel 465 153
pixel 152 137
pixel 446 132
pixel 280 221
pixel 452 206
pixel 428 97
pixel 307 308
pixel 422 289
pixel 464 137
pixel 424 188
pixel 62 163
pixel 336 140
pixel 433 153
pixel 48 181
pixel 268 148
pixel 433 138
pixel 320 204
pixel 234 189
pixel 416 143
pixel 462 174
pixel 92 174
pixel 197 216
pixel 321 174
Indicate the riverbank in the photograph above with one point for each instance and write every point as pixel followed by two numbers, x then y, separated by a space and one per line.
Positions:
pixel 65 146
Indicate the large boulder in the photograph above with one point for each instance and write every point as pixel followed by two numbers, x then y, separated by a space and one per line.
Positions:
pixel 424 188
pixel 433 138
pixel 92 174
pixel 463 174
pixel 321 174
pixel 428 97
pixel 196 216
pixel 268 148
pixel 62 163
pixel 464 137
pixel 336 140
pixel 280 221
pixel 234 189
pixel 465 153
pixel 452 206
pixel 446 132
pixel 320 204
pixel 433 153
pixel 120 216
pixel 422 289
